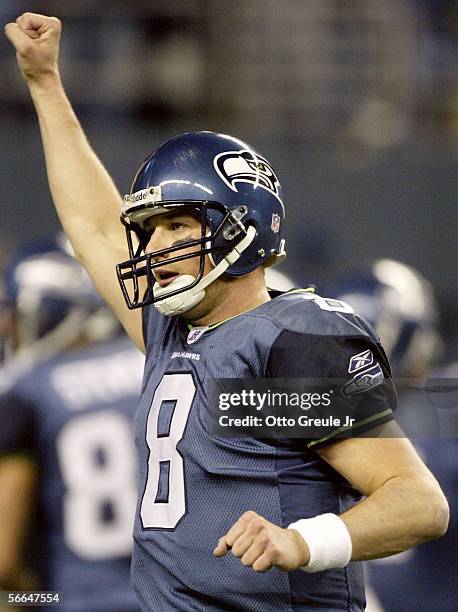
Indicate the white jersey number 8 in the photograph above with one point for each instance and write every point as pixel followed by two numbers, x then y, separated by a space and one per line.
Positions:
pixel 164 501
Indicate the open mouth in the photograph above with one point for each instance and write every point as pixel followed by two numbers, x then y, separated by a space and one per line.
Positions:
pixel 165 277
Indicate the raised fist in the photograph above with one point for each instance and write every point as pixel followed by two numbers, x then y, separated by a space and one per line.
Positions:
pixel 36 40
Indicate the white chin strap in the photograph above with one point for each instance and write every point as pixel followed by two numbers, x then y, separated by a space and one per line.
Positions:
pixel 177 304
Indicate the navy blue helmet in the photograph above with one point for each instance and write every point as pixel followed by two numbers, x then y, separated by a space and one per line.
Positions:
pixel 232 190
pixel 52 299
pixel 401 306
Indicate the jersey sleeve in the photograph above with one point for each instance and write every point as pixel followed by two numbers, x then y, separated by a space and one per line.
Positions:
pixel 16 424
pixel 354 367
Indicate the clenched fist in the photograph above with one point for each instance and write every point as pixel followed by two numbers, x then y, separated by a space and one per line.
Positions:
pixel 261 545
pixel 36 40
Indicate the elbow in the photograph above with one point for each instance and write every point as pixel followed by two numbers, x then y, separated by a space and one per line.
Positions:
pixel 437 514
pixel 441 519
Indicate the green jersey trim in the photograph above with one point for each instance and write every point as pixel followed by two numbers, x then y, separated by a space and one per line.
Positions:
pixel 336 432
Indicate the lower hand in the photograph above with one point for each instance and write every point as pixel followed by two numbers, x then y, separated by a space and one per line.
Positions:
pixel 260 544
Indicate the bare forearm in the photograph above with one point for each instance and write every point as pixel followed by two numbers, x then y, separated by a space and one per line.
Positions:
pixel 402 513
pixel 82 190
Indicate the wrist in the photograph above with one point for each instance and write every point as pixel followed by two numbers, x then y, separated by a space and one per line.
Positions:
pixel 43 82
pixel 328 542
pixel 302 547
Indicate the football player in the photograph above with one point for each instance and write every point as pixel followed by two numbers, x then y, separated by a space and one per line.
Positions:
pixel 204 219
pixel 401 306
pixel 68 467
pixel 5 326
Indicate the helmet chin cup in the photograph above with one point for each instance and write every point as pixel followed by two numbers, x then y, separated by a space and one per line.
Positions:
pixel 176 304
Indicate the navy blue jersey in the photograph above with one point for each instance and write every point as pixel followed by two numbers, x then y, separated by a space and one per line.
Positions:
pixel 195 485
pixel 74 414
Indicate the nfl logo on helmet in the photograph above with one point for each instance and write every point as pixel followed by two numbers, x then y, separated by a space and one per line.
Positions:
pixel 275 225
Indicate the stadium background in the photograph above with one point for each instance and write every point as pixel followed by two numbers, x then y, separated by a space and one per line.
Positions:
pixel 354 102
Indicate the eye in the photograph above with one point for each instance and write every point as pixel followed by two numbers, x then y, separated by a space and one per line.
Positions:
pixel 177 225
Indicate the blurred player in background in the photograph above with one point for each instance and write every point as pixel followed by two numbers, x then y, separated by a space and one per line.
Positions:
pixel 68 468
pixel 6 330
pixel 401 306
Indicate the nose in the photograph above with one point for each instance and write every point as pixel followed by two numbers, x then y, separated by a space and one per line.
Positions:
pixel 157 242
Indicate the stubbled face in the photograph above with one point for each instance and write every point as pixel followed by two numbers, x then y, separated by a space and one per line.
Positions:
pixel 173 229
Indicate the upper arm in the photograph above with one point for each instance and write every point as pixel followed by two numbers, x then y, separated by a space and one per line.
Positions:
pixel 100 255
pixel 86 199
pixel 368 462
pixel 18 476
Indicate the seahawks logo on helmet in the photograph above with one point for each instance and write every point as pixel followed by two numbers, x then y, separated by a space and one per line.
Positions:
pixel 246 167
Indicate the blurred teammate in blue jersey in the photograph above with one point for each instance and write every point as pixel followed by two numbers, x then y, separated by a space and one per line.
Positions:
pixel 401 306
pixel 68 399
pixel 230 523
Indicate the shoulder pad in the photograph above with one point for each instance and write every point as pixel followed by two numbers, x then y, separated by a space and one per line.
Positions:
pixel 305 312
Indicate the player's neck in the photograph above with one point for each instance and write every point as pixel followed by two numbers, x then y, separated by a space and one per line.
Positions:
pixel 230 299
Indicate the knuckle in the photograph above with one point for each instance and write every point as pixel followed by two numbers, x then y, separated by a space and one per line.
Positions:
pixel 263 540
pixel 26 49
pixel 260 527
pixel 271 549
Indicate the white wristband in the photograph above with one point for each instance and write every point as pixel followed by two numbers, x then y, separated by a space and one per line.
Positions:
pixel 328 541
